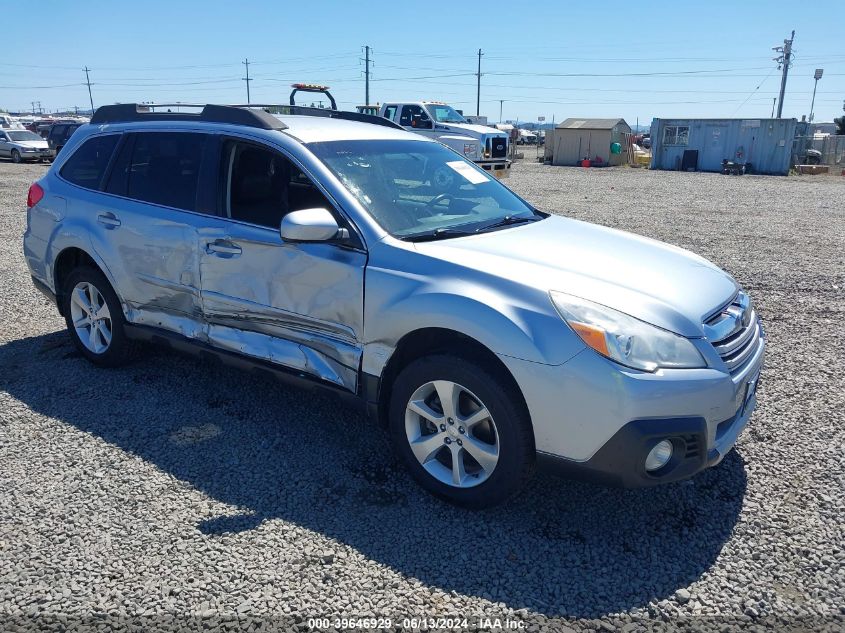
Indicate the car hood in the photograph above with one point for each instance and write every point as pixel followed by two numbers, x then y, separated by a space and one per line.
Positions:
pixel 653 281
pixel 471 128
pixel 36 144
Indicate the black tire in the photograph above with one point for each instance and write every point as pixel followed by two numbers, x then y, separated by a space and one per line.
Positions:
pixel 517 453
pixel 120 349
pixel 16 156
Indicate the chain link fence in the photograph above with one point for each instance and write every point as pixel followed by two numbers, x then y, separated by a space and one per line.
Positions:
pixel 820 150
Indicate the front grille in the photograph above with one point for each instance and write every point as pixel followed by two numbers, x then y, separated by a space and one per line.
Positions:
pixel 498 147
pixel 734 331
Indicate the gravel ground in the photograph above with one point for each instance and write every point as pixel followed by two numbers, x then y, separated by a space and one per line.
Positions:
pixel 171 492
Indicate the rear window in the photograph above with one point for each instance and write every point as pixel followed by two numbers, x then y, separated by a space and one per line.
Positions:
pixel 88 164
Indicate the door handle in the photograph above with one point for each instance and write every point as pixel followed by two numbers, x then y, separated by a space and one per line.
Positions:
pixel 223 247
pixel 108 220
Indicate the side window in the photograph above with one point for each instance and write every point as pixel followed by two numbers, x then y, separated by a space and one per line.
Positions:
pixel 164 168
pixel 88 163
pixel 390 112
pixel 408 114
pixel 57 131
pixel 676 135
pixel 261 186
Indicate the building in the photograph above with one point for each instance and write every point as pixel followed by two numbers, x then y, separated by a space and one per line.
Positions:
pixel 764 145
pixel 573 140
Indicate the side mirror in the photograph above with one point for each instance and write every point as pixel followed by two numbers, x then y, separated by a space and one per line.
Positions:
pixel 309 225
pixel 421 123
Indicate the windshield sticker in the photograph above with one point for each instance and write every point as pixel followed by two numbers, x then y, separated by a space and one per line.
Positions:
pixel 473 175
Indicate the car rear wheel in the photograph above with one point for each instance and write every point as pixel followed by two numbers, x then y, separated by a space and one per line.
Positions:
pixel 94 318
pixel 16 156
pixel 461 431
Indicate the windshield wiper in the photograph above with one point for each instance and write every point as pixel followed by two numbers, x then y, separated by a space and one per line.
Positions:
pixel 508 220
pixel 438 234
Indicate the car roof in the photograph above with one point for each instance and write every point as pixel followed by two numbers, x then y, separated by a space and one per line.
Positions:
pixel 316 129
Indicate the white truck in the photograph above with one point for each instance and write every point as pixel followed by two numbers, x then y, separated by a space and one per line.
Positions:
pixel 485 146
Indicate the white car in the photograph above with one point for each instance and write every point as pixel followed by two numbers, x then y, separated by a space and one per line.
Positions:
pixel 21 145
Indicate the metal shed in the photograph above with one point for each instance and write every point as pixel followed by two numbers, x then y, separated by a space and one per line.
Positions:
pixel 764 143
pixel 575 139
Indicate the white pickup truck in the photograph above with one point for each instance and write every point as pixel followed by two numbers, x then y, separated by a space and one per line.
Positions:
pixel 485 146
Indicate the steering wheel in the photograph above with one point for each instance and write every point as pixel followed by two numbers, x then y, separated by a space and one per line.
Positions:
pixel 439 198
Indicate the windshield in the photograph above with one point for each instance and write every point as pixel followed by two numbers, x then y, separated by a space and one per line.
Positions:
pixel 444 114
pixel 23 135
pixel 413 188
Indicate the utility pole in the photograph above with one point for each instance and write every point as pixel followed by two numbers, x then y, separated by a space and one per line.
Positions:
pixel 366 75
pixel 501 102
pixel 784 60
pixel 478 95
pixel 88 81
pixel 33 107
pixel 245 62
pixel 816 76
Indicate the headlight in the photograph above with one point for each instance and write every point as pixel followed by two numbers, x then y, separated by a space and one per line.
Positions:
pixel 470 149
pixel 623 338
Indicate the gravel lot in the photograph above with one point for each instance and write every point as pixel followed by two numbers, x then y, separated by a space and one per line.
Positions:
pixel 174 492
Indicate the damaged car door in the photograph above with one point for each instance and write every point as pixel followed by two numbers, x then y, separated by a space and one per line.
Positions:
pixel 147 229
pixel 295 304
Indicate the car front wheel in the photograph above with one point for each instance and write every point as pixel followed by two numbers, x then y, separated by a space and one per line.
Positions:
pixel 461 431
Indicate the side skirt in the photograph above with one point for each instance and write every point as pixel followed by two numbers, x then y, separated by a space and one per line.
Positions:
pixel 202 350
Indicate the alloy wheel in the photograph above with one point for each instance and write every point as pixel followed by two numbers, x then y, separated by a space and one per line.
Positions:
pixel 90 316
pixel 452 434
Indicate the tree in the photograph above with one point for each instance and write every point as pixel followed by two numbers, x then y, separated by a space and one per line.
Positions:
pixel 840 125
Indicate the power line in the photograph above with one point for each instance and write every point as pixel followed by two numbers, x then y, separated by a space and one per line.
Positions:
pixel 751 94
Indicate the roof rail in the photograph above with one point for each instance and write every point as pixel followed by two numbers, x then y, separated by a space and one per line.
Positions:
pixel 260 115
pixel 236 115
pixel 337 114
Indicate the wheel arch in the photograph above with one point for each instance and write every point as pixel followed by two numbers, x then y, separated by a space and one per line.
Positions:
pixel 69 259
pixel 435 340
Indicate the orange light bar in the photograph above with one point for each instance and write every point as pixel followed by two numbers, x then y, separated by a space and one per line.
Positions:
pixel 309 87
pixel 592 336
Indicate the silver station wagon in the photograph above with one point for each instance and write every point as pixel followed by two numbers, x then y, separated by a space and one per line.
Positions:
pixel 487 337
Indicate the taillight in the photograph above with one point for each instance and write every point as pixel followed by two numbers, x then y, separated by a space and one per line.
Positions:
pixel 36 193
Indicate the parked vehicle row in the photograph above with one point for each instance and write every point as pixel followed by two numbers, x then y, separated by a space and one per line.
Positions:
pixel 484 335
pixel 23 145
pixel 37 140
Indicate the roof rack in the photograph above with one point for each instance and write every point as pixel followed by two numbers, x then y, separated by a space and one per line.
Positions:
pixel 248 114
pixel 236 115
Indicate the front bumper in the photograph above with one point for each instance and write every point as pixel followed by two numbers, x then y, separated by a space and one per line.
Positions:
pixel 37 155
pixel 594 419
pixel 499 167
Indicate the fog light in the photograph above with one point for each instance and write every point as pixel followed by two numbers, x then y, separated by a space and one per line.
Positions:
pixel 659 456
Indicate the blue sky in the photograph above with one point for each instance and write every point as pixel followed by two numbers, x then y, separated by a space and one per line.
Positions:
pixel 554 59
